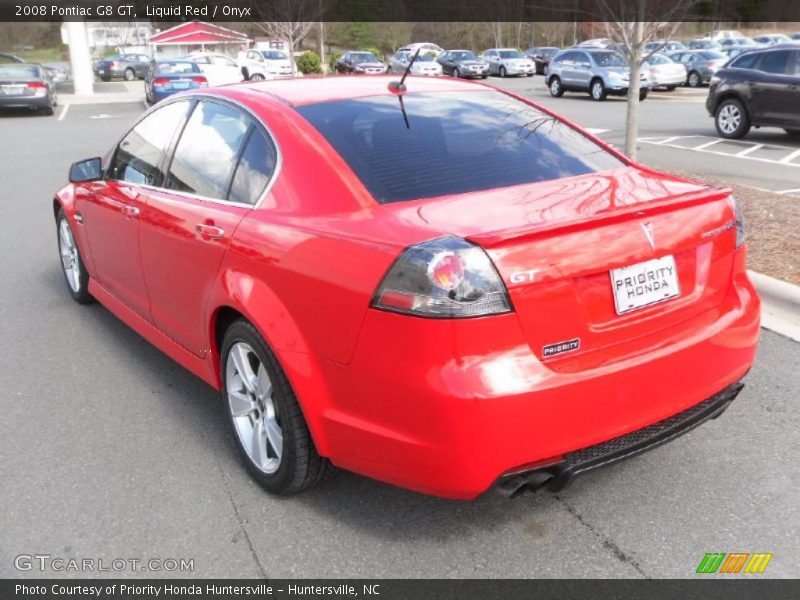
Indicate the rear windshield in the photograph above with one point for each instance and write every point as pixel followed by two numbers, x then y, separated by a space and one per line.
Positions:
pixel 19 72
pixel 177 68
pixel 452 143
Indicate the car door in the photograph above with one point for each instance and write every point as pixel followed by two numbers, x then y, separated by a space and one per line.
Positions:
pixel 188 223
pixel 582 71
pixel 494 61
pixel 568 69
pixel 112 209
pixel 772 100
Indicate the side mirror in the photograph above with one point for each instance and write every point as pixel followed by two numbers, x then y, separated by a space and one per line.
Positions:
pixel 90 169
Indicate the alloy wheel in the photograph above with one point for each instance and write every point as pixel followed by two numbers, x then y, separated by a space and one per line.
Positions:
pixel 597 90
pixel 555 86
pixel 69 256
pixel 253 409
pixel 729 118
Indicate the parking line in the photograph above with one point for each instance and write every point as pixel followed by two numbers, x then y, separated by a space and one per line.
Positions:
pixel 747 151
pixel 707 144
pixel 792 191
pixel 63 112
pixel 791 157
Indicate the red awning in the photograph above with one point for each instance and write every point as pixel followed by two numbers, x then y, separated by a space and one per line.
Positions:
pixel 197 32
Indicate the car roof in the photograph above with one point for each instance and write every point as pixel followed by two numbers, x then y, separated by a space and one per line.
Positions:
pixel 314 90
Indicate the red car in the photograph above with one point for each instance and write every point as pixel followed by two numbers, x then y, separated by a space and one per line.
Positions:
pixel 450 290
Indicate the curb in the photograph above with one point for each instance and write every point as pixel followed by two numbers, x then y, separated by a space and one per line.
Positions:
pixel 780 307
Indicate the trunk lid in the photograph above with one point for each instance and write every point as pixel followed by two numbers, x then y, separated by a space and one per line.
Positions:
pixel 555 244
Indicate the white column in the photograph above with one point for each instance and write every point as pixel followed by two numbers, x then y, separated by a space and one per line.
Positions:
pixel 80 57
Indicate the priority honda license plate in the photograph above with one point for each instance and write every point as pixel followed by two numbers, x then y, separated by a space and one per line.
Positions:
pixel 645 283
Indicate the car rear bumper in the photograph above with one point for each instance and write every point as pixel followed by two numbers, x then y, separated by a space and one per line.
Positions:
pixel 450 407
pixel 24 101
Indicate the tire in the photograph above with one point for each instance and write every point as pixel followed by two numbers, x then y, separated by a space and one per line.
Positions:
pixel 129 74
pixel 456 74
pixel 267 405
pixel 694 80
pixel 484 76
pixel 671 88
pixel 556 89
pixel 106 78
pixel 502 72
pixel 597 90
pixel 792 131
pixel 256 77
pixel 529 74
pixel 643 94
pixel 48 111
pixel 75 274
pixel 731 120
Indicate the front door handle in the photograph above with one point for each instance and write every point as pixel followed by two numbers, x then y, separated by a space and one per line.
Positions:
pixel 130 211
pixel 211 232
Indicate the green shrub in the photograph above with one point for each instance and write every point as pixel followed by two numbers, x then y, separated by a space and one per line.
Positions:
pixel 309 62
pixel 332 60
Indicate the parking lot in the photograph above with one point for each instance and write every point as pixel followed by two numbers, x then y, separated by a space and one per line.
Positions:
pixel 109 449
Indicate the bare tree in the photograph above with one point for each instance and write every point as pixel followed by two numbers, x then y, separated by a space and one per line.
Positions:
pixel 288 20
pixel 626 22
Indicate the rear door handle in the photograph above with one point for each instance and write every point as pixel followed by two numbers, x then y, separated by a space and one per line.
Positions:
pixel 207 231
pixel 130 211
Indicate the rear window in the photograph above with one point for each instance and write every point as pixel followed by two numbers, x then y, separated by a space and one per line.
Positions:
pixel 19 72
pixel 177 68
pixel 452 143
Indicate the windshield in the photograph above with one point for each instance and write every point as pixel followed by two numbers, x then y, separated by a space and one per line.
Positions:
pixel 363 57
pixel 463 56
pixel 503 142
pixel 509 53
pixel 19 72
pixel 608 59
pixel 274 55
pixel 425 58
pixel 712 55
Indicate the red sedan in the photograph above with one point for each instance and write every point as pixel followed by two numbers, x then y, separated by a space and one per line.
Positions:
pixel 450 290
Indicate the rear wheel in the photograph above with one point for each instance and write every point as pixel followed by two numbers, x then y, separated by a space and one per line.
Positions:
pixel 456 73
pixel 555 88
pixel 106 78
pixel 129 74
pixel 503 72
pixel 693 80
pixel 75 273
pixel 256 77
pixel 268 425
pixel 731 120
pixel 598 90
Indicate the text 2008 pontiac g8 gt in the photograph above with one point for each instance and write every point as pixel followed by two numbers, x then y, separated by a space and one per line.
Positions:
pixel 452 292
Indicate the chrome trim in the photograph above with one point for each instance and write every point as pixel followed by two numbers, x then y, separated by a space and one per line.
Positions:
pixel 278 159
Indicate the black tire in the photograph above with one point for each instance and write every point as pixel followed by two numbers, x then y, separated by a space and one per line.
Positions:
pixel 81 295
pixel 49 110
pixel 597 90
pixel 502 72
pixel 529 74
pixel 792 131
pixel 731 120
pixel 301 467
pixel 106 78
pixel 256 77
pixel 129 74
pixel 456 74
pixel 555 87
pixel 643 94
pixel 693 79
pixel 484 76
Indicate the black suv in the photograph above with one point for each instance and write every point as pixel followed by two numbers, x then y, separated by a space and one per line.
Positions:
pixel 757 88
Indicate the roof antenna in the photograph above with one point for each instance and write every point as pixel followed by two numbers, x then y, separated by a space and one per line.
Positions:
pixel 399 87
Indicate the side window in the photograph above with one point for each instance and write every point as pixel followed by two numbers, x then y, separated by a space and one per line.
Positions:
pixel 255 168
pixel 206 152
pixel 745 62
pixel 139 155
pixel 775 62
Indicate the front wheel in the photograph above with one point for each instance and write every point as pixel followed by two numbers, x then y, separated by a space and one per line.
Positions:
pixel 598 90
pixel 503 72
pixel 256 77
pixel 556 91
pixel 731 120
pixel 693 80
pixel 268 425
pixel 456 73
pixel 75 273
pixel 129 74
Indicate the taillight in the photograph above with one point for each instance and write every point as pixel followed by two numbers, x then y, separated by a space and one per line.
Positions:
pixel 200 80
pixel 738 217
pixel 37 85
pixel 443 278
pixel 159 81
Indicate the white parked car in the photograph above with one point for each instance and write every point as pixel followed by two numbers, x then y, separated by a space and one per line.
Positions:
pixel 219 69
pixel 269 64
pixel 424 65
pixel 508 62
pixel 426 48
pixel 662 71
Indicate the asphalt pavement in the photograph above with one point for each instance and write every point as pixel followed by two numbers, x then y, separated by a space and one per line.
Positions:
pixel 110 450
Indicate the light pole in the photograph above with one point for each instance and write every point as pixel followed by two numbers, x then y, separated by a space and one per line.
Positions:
pixel 80 57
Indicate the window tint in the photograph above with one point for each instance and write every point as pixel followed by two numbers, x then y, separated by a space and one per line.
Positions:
pixel 745 62
pixel 454 143
pixel 775 62
pixel 255 169
pixel 206 152
pixel 139 155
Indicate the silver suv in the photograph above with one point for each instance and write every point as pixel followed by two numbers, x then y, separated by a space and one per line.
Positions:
pixel 598 72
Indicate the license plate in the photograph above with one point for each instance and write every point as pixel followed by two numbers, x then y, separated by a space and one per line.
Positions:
pixel 645 283
pixel 180 85
pixel 12 90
